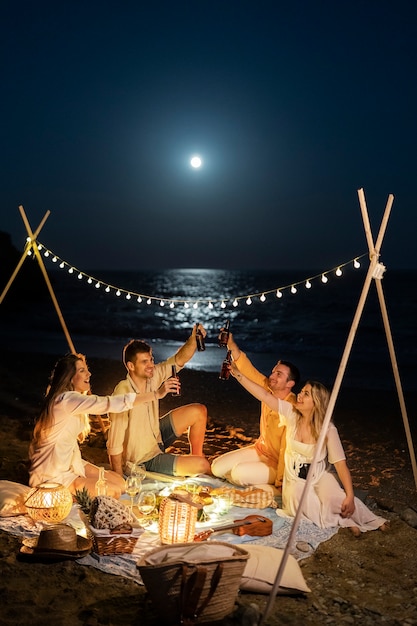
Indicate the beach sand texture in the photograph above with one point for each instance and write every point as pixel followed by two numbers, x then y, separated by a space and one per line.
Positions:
pixel 370 580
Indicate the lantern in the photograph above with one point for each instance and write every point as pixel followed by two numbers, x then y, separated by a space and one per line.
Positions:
pixel 49 502
pixel 177 518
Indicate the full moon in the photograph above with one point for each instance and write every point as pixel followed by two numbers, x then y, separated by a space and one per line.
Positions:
pixel 196 162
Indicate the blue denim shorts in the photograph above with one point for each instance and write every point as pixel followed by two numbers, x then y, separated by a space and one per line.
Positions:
pixel 164 463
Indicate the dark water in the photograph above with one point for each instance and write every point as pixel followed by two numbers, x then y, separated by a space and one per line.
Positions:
pixel 310 327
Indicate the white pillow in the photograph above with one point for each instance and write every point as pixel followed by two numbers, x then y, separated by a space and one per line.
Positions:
pixel 262 567
pixel 12 498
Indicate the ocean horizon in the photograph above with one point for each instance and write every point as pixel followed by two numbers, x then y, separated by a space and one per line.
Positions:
pixel 309 325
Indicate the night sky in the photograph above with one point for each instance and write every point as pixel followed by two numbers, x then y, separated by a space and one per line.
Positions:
pixel 292 106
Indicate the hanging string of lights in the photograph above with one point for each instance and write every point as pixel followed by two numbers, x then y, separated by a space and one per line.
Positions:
pixel 187 303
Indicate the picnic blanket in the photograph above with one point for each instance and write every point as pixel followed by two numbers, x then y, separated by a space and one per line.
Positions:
pixel 308 535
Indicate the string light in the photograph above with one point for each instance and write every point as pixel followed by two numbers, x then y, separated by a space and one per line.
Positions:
pixel 279 291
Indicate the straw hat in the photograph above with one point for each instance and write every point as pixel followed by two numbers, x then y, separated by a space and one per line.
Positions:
pixel 57 542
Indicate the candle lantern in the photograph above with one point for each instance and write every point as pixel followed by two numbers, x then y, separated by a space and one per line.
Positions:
pixel 177 518
pixel 49 502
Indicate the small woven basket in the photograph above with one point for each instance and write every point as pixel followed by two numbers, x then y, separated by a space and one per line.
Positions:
pixel 177 519
pixel 49 502
pixel 108 544
pixel 195 582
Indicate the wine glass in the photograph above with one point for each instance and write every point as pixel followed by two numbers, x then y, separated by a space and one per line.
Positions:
pixel 132 487
pixel 146 503
pixel 139 470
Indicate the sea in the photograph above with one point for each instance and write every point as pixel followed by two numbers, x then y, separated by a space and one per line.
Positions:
pixel 328 329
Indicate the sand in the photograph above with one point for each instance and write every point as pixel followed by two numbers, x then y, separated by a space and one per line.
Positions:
pixel 370 580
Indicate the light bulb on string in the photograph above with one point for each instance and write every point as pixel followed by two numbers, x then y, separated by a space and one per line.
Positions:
pixel 186 305
pixel 80 276
pixel 139 299
pixel 293 289
pixel 29 252
pixel 162 303
pixel 249 301
pixel 279 293
pixel 62 265
pixel 356 264
pixel 148 301
pixel 46 253
pixel 235 303
pixel 97 285
pixel 223 304
pixel 324 278
pixel 210 305
pixel 195 305
pixel 262 298
pixel 54 260
pixel 338 272
pixel 128 296
pixel 90 280
pixel 107 290
pixel 71 270
pixel 118 293
pixel 308 284
pixel 39 246
pixel 171 305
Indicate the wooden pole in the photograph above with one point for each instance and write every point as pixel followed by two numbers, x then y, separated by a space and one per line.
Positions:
pixel 46 277
pixel 23 257
pixel 336 387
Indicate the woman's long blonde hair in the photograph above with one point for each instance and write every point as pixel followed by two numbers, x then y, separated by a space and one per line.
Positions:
pixel 59 381
pixel 320 395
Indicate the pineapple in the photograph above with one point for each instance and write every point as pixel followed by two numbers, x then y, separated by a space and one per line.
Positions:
pixel 84 499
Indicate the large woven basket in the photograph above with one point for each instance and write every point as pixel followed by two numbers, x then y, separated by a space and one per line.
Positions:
pixel 192 583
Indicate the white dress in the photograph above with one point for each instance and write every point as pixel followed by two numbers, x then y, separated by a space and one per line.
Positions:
pixel 322 504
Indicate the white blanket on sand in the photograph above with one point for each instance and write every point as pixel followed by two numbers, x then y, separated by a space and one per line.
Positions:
pixel 308 536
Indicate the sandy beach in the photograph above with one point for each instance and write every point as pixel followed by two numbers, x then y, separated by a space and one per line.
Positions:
pixel 369 580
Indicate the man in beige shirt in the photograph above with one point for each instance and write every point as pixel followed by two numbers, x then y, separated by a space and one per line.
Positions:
pixel 139 435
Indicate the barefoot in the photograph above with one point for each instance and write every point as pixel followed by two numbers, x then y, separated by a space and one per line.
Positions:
pixel 384 527
pixel 355 531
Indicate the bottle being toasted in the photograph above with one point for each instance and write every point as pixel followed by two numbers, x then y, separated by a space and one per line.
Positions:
pixel 225 370
pixel 101 484
pixel 224 335
pixel 199 337
pixel 175 375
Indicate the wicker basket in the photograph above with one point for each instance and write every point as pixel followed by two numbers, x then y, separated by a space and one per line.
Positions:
pixel 106 544
pixel 177 518
pixel 198 582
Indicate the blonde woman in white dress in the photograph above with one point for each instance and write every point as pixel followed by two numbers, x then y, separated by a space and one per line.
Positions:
pixel 327 504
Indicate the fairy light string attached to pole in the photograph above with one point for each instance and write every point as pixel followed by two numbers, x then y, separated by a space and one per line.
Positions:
pixel 208 301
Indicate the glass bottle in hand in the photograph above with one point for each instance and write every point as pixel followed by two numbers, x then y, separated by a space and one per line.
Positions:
pixel 175 375
pixel 199 337
pixel 225 371
pixel 224 335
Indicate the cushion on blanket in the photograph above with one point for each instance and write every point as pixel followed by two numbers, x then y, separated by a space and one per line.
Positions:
pixel 12 498
pixel 262 567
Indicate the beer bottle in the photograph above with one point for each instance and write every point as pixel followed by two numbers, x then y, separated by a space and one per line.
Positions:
pixel 175 375
pixel 224 335
pixel 101 484
pixel 225 371
pixel 199 339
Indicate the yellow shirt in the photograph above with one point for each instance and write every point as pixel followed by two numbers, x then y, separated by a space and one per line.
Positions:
pixel 271 441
